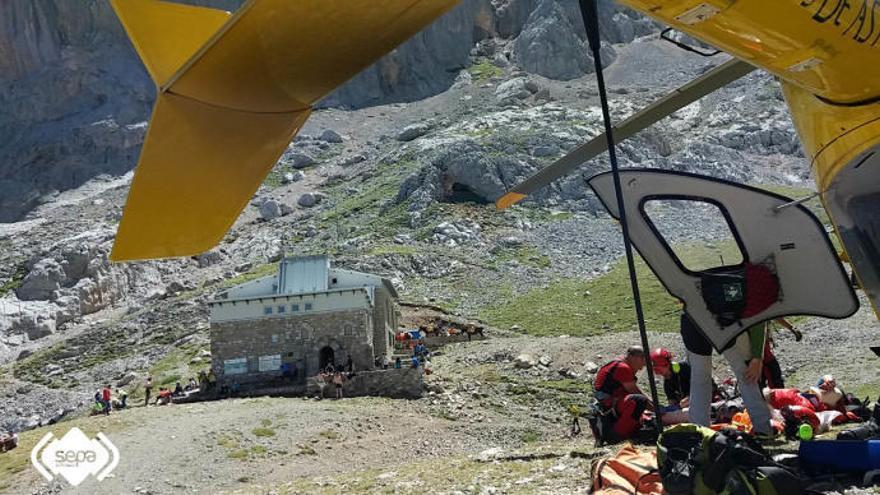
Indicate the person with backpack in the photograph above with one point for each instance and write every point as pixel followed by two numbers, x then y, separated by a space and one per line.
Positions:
pixel 619 399
pixel 745 356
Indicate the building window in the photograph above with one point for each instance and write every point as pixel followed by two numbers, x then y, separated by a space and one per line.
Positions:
pixel 267 310
pixel 294 307
pixel 281 309
pixel 270 363
pixel 274 338
pixel 237 366
pixel 308 306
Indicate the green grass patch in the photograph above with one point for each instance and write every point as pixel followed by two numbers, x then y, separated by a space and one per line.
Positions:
pixel 524 255
pixel 530 436
pixel 484 70
pixel 240 454
pixel 263 431
pixel 14 281
pixel 568 385
pixel 259 450
pixel 227 441
pixel 176 365
pixel 591 307
pixel 255 273
pixel 393 249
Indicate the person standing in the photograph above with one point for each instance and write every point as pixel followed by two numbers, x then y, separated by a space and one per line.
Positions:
pixel 105 398
pixel 745 356
pixel 337 382
pixel 148 387
pixel 772 375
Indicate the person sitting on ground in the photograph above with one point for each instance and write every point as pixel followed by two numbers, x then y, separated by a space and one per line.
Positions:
pixel 178 390
pixel 212 379
pixel 676 385
pixel 164 397
pixel 192 385
pixel 122 397
pixel 616 390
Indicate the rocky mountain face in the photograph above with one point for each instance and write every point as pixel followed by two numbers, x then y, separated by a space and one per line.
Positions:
pixel 74 98
pixel 393 176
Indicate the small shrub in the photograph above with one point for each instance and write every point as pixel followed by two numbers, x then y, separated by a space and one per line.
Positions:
pixel 263 432
pixel 239 454
pixel 329 434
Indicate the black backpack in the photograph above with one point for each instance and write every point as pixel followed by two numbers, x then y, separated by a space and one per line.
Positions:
pixel 696 460
pixel 724 294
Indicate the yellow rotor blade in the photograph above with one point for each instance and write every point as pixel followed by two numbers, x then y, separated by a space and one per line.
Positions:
pixel 280 55
pixel 167 34
pixel 199 167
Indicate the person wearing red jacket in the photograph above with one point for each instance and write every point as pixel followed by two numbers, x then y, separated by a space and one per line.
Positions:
pixel 617 392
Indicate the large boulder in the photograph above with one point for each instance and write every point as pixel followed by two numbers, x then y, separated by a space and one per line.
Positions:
pixel 41 282
pixel 525 361
pixel 298 159
pixel 330 136
pixel 512 90
pixel 269 210
pixel 413 131
pixel 552 43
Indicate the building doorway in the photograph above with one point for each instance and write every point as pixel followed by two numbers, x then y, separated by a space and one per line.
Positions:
pixel 326 357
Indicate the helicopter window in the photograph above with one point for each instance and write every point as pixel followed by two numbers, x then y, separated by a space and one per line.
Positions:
pixel 697 232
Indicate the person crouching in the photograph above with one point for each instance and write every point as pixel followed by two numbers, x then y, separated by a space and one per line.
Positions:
pixel 619 399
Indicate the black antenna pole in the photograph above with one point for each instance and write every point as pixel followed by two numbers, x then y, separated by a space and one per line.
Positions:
pixel 590 13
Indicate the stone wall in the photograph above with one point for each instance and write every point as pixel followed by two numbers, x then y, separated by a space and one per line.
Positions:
pixel 298 339
pixel 384 322
pixel 404 383
pixel 440 341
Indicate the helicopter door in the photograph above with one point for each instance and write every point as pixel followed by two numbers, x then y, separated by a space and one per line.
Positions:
pixel 779 259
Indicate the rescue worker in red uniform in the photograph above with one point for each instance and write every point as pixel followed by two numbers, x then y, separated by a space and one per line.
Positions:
pixel 616 390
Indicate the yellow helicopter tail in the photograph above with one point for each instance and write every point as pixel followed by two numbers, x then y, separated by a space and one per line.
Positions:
pixel 233 90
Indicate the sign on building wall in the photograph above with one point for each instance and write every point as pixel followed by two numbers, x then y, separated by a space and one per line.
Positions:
pixel 237 366
pixel 270 363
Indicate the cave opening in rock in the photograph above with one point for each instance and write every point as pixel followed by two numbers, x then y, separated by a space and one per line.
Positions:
pixel 460 193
